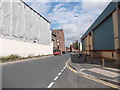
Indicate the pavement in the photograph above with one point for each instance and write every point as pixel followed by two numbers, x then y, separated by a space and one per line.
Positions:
pixel 107 74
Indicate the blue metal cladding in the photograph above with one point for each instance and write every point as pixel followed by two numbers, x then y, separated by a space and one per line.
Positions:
pixel 110 8
pixel 83 45
pixel 104 35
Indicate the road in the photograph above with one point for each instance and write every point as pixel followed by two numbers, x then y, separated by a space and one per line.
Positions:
pixel 45 72
pixel 33 74
pixel 74 80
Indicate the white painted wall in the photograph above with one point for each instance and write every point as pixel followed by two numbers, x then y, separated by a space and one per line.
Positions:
pixel 20 26
pixel 18 21
pixel 10 46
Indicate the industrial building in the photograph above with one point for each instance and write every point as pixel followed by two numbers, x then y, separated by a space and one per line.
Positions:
pixel 59 40
pixel 23 31
pixel 102 39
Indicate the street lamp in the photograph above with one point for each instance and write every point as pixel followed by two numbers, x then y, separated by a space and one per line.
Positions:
pixel 78 40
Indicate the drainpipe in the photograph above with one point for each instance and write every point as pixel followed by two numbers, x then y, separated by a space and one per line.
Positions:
pixel 118 50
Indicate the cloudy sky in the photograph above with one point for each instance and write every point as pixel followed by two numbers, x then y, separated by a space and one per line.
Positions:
pixel 61 14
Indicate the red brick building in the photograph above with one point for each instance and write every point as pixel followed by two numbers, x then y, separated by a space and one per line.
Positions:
pixel 59 40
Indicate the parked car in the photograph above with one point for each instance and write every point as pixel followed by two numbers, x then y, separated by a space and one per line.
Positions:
pixel 56 52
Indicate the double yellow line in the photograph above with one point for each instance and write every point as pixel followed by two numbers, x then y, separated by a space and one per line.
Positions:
pixel 93 79
pixel 70 67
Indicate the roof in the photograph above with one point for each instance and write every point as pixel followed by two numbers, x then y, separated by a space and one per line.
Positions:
pixel 57 29
pixel 35 11
pixel 110 8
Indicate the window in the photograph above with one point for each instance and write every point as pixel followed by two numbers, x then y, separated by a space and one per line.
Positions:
pixel 90 34
pixel 35 41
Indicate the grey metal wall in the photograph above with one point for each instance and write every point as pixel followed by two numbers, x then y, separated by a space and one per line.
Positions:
pixel 83 45
pixel 104 35
pixel 18 21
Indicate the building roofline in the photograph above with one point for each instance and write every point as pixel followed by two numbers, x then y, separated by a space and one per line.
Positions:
pixel 108 10
pixel 34 11
pixel 56 29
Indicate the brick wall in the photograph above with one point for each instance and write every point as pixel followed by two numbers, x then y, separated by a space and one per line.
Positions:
pixel 59 43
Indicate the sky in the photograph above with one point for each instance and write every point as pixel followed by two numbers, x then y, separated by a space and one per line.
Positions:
pixel 61 14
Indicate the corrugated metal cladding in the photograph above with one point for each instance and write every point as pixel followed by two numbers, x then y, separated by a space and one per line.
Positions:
pixel 111 7
pixel 18 21
pixel 104 35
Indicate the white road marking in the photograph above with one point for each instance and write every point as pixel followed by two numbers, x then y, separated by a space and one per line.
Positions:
pixel 51 84
pixel 56 78
pixel 59 74
pixel 82 69
pixel 62 70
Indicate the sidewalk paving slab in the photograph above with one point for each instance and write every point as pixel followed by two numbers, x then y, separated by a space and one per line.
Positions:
pixel 107 73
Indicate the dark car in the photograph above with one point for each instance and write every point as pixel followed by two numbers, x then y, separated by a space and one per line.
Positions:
pixel 56 52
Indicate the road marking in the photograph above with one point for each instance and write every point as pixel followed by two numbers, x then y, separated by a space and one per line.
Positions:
pixel 51 84
pixel 102 82
pixel 62 70
pixel 70 67
pixel 82 70
pixel 56 78
pixel 59 74
pixel 93 79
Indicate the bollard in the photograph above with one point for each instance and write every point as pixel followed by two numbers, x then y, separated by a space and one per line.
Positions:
pixel 85 58
pixel 91 61
pixel 102 62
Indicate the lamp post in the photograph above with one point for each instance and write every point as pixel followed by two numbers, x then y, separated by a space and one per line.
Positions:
pixel 78 40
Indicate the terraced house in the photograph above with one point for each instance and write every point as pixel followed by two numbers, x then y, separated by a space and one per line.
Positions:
pixel 102 39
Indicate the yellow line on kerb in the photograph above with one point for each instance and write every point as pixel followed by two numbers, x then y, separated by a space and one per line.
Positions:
pixel 70 67
pixel 89 77
pixel 101 82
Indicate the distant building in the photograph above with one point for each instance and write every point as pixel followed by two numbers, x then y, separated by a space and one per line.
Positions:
pixel 102 39
pixel 73 47
pixel 68 49
pixel 59 40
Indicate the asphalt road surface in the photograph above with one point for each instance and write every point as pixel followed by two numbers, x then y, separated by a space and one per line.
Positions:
pixel 69 79
pixel 33 74
pixel 47 72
